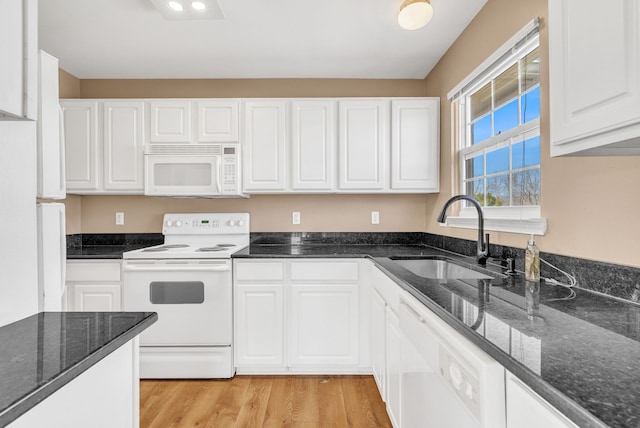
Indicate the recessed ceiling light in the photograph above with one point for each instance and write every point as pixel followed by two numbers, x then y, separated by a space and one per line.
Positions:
pixel 198 5
pixel 175 6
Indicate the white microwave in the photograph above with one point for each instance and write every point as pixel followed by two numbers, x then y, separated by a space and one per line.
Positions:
pixel 192 170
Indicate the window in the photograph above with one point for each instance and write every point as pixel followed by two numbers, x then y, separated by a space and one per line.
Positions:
pixel 498 123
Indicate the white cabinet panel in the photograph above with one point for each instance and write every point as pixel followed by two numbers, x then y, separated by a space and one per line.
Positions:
pixel 218 121
pixel 378 342
pixel 594 77
pixel 415 144
pixel 313 129
pixel 259 325
pixel 123 144
pixel 393 367
pixel 344 270
pixel 81 140
pixel 526 409
pixel 264 142
pixel 363 143
pixel 96 297
pixel 323 329
pixel 19 59
pixel 170 121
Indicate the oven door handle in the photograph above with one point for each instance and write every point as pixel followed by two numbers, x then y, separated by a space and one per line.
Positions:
pixel 177 268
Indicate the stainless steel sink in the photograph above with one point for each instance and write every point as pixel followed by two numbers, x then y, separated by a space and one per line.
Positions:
pixel 439 269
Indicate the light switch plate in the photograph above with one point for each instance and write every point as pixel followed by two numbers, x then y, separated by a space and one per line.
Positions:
pixel 375 217
pixel 295 217
pixel 119 219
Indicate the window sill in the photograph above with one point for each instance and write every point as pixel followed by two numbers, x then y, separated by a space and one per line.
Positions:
pixel 536 226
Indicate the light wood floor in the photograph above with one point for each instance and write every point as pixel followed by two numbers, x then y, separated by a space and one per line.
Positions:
pixel 263 401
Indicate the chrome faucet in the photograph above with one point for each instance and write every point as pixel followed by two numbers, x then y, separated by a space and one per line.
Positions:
pixel 483 240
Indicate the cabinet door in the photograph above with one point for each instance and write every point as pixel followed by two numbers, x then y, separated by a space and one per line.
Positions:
pixel 526 409
pixel 170 121
pixel 259 325
pixel 378 342
pixel 363 144
pixel 313 128
pixel 324 325
pixel 96 297
pixel 594 73
pixel 123 144
pixel 218 121
pixel 81 141
pixel 264 139
pixel 393 367
pixel 415 145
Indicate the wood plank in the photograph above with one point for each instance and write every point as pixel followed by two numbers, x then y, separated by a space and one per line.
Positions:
pixel 279 412
pixel 306 407
pixel 332 411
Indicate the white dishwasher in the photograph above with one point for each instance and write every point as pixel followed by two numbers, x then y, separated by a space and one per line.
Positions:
pixel 446 381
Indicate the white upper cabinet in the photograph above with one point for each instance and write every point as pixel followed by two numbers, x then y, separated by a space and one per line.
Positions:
pixel 313 139
pixel 123 144
pixel 264 145
pixel 81 141
pixel 594 67
pixel 170 121
pixel 363 144
pixel 415 151
pixel 104 146
pixel 218 121
pixel 19 59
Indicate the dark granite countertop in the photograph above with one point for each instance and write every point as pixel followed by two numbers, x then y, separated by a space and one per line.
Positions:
pixel 42 353
pixel 108 245
pixel 582 355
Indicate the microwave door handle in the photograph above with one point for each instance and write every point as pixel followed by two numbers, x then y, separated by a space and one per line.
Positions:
pixel 219 169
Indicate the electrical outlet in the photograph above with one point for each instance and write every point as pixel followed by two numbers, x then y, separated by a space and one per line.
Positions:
pixel 119 219
pixel 375 217
pixel 295 217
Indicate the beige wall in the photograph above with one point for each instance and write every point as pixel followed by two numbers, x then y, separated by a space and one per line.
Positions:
pixel 591 204
pixel 582 198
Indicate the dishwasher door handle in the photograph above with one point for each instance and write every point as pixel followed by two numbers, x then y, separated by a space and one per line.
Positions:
pixel 413 312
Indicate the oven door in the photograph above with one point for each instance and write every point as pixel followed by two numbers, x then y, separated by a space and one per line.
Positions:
pixel 192 299
pixel 182 175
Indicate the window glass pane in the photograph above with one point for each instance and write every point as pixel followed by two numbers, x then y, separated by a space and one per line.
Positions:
pixel 498 190
pixel 474 167
pixel 505 86
pixel 530 105
pixel 475 188
pixel 526 187
pixel 506 117
pixel 480 102
pixel 530 70
pixel 498 160
pixel 481 130
pixel 526 153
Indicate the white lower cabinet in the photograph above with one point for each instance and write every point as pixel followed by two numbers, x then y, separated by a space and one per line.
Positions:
pixel 94 286
pixel 106 395
pixel 301 316
pixel 526 409
pixel 386 342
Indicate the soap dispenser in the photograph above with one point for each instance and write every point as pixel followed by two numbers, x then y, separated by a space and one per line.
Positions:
pixel 532 261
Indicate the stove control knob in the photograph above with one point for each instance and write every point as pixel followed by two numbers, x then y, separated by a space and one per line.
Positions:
pixel 240 223
pixel 232 223
pixel 178 223
pixel 169 223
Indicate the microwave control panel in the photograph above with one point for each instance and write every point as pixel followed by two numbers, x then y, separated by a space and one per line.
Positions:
pixel 230 170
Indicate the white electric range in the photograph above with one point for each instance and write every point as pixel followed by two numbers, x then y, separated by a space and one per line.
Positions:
pixel 188 282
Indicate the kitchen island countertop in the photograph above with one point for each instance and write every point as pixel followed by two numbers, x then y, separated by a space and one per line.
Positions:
pixel 42 353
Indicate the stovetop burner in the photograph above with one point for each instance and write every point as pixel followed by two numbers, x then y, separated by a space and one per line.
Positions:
pixel 164 248
pixel 216 248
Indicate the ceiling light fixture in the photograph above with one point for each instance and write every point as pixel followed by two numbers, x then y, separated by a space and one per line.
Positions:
pixel 198 5
pixel 175 6
pixel 415 14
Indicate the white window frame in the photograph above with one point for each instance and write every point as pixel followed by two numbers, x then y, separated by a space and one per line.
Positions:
pixel 516 219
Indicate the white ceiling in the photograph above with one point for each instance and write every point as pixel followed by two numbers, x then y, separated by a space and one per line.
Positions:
pixel 258 39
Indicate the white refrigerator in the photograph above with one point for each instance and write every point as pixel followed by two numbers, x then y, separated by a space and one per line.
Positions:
pixel 51 236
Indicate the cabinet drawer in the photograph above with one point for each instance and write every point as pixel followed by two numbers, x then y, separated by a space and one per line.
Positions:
pixel 324 271
pixel 256 271
pixel 387 288
pixel 93 271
